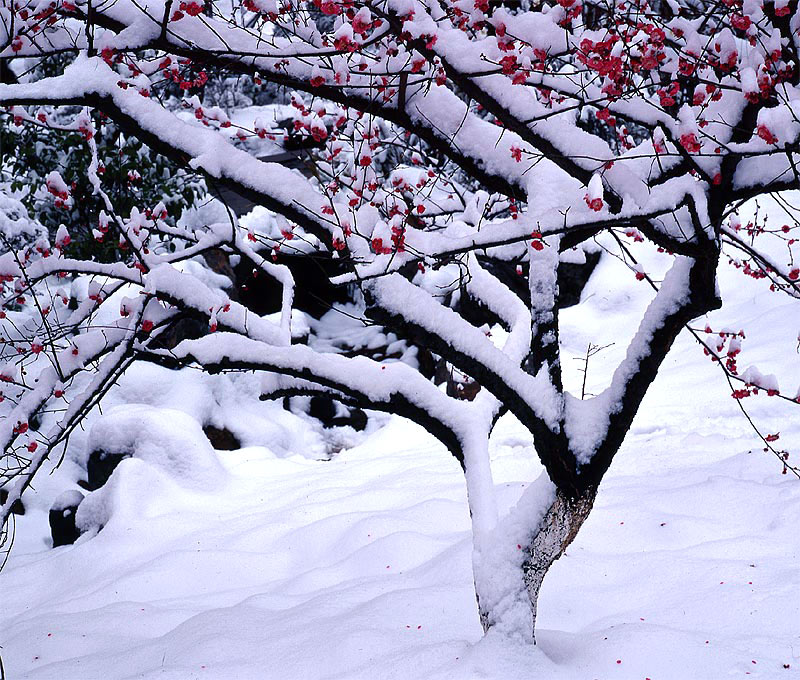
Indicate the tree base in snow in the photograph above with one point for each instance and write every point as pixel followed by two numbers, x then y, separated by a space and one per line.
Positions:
pixel 558 529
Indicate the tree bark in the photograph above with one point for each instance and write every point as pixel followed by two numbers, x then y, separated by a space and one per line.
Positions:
pixel 557 530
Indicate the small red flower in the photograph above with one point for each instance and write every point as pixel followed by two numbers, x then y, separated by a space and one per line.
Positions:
pixel 740 22
pixel 690 142
pixel 766 134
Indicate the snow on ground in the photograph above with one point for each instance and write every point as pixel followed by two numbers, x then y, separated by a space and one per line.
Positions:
pixel 293 567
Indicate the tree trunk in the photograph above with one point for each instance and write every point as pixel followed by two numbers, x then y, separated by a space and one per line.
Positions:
pixel 557 530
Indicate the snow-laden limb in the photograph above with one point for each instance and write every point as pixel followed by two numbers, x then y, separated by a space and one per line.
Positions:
pixel 439 117
pixel 391 387
pixel 52 265
pixel 358 377
pixel 593 425
pixel 497 297
pixel 114 353
pixel 766 167
pixel 660 217
pixel 575 153
pixel 189 293
pixel 282 274
pixel 543 287
pixel 471 349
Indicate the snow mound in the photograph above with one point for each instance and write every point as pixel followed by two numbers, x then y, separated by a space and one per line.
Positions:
pixel 166 438
pixel 135 492
pixel 67 499
pixel 226 401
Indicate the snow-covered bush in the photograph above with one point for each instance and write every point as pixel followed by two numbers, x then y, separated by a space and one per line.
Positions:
pixel 442 139
pixel 17 229
pixel 46 139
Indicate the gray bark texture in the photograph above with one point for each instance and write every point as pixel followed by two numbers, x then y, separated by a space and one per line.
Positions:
pixel 557 530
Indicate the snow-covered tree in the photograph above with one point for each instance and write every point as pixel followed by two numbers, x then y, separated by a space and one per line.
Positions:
pixel 453 141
